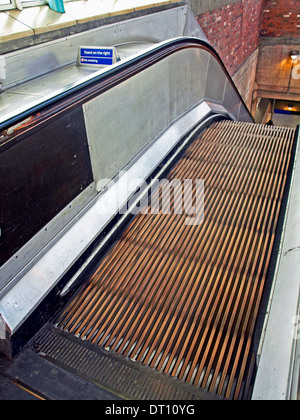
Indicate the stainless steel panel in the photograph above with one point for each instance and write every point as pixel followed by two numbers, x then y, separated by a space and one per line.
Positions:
pixel 14 101
pixel 192 27
pixel 53 81
pixel 215 82
pixel 153 28
pixel 188 73
pixel 123 120
pixel 32 62
pixel 231 101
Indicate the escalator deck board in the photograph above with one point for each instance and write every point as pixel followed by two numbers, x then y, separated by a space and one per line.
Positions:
pixel 184 299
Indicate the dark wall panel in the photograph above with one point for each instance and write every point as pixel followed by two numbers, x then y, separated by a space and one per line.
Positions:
pixel 40 173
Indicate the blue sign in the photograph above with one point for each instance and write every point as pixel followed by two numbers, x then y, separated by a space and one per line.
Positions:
pixel 96 56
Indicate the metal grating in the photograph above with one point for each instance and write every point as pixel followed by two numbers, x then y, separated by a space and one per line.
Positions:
pixel 110 371
pixel 185 299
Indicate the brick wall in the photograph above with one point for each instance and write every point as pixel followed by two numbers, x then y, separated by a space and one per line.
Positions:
pixel 254 39
pixel 234 31
pixel 281 18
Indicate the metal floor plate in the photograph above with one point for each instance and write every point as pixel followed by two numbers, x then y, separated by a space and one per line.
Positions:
pixel 57 365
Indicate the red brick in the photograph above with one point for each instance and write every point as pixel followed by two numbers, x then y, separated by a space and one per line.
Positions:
pixel 232 26
pixel 274 22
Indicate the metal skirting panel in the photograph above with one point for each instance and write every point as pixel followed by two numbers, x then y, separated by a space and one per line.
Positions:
pixel 184 299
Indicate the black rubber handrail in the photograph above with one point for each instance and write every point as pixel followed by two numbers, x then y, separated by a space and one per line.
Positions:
pixel 102 81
